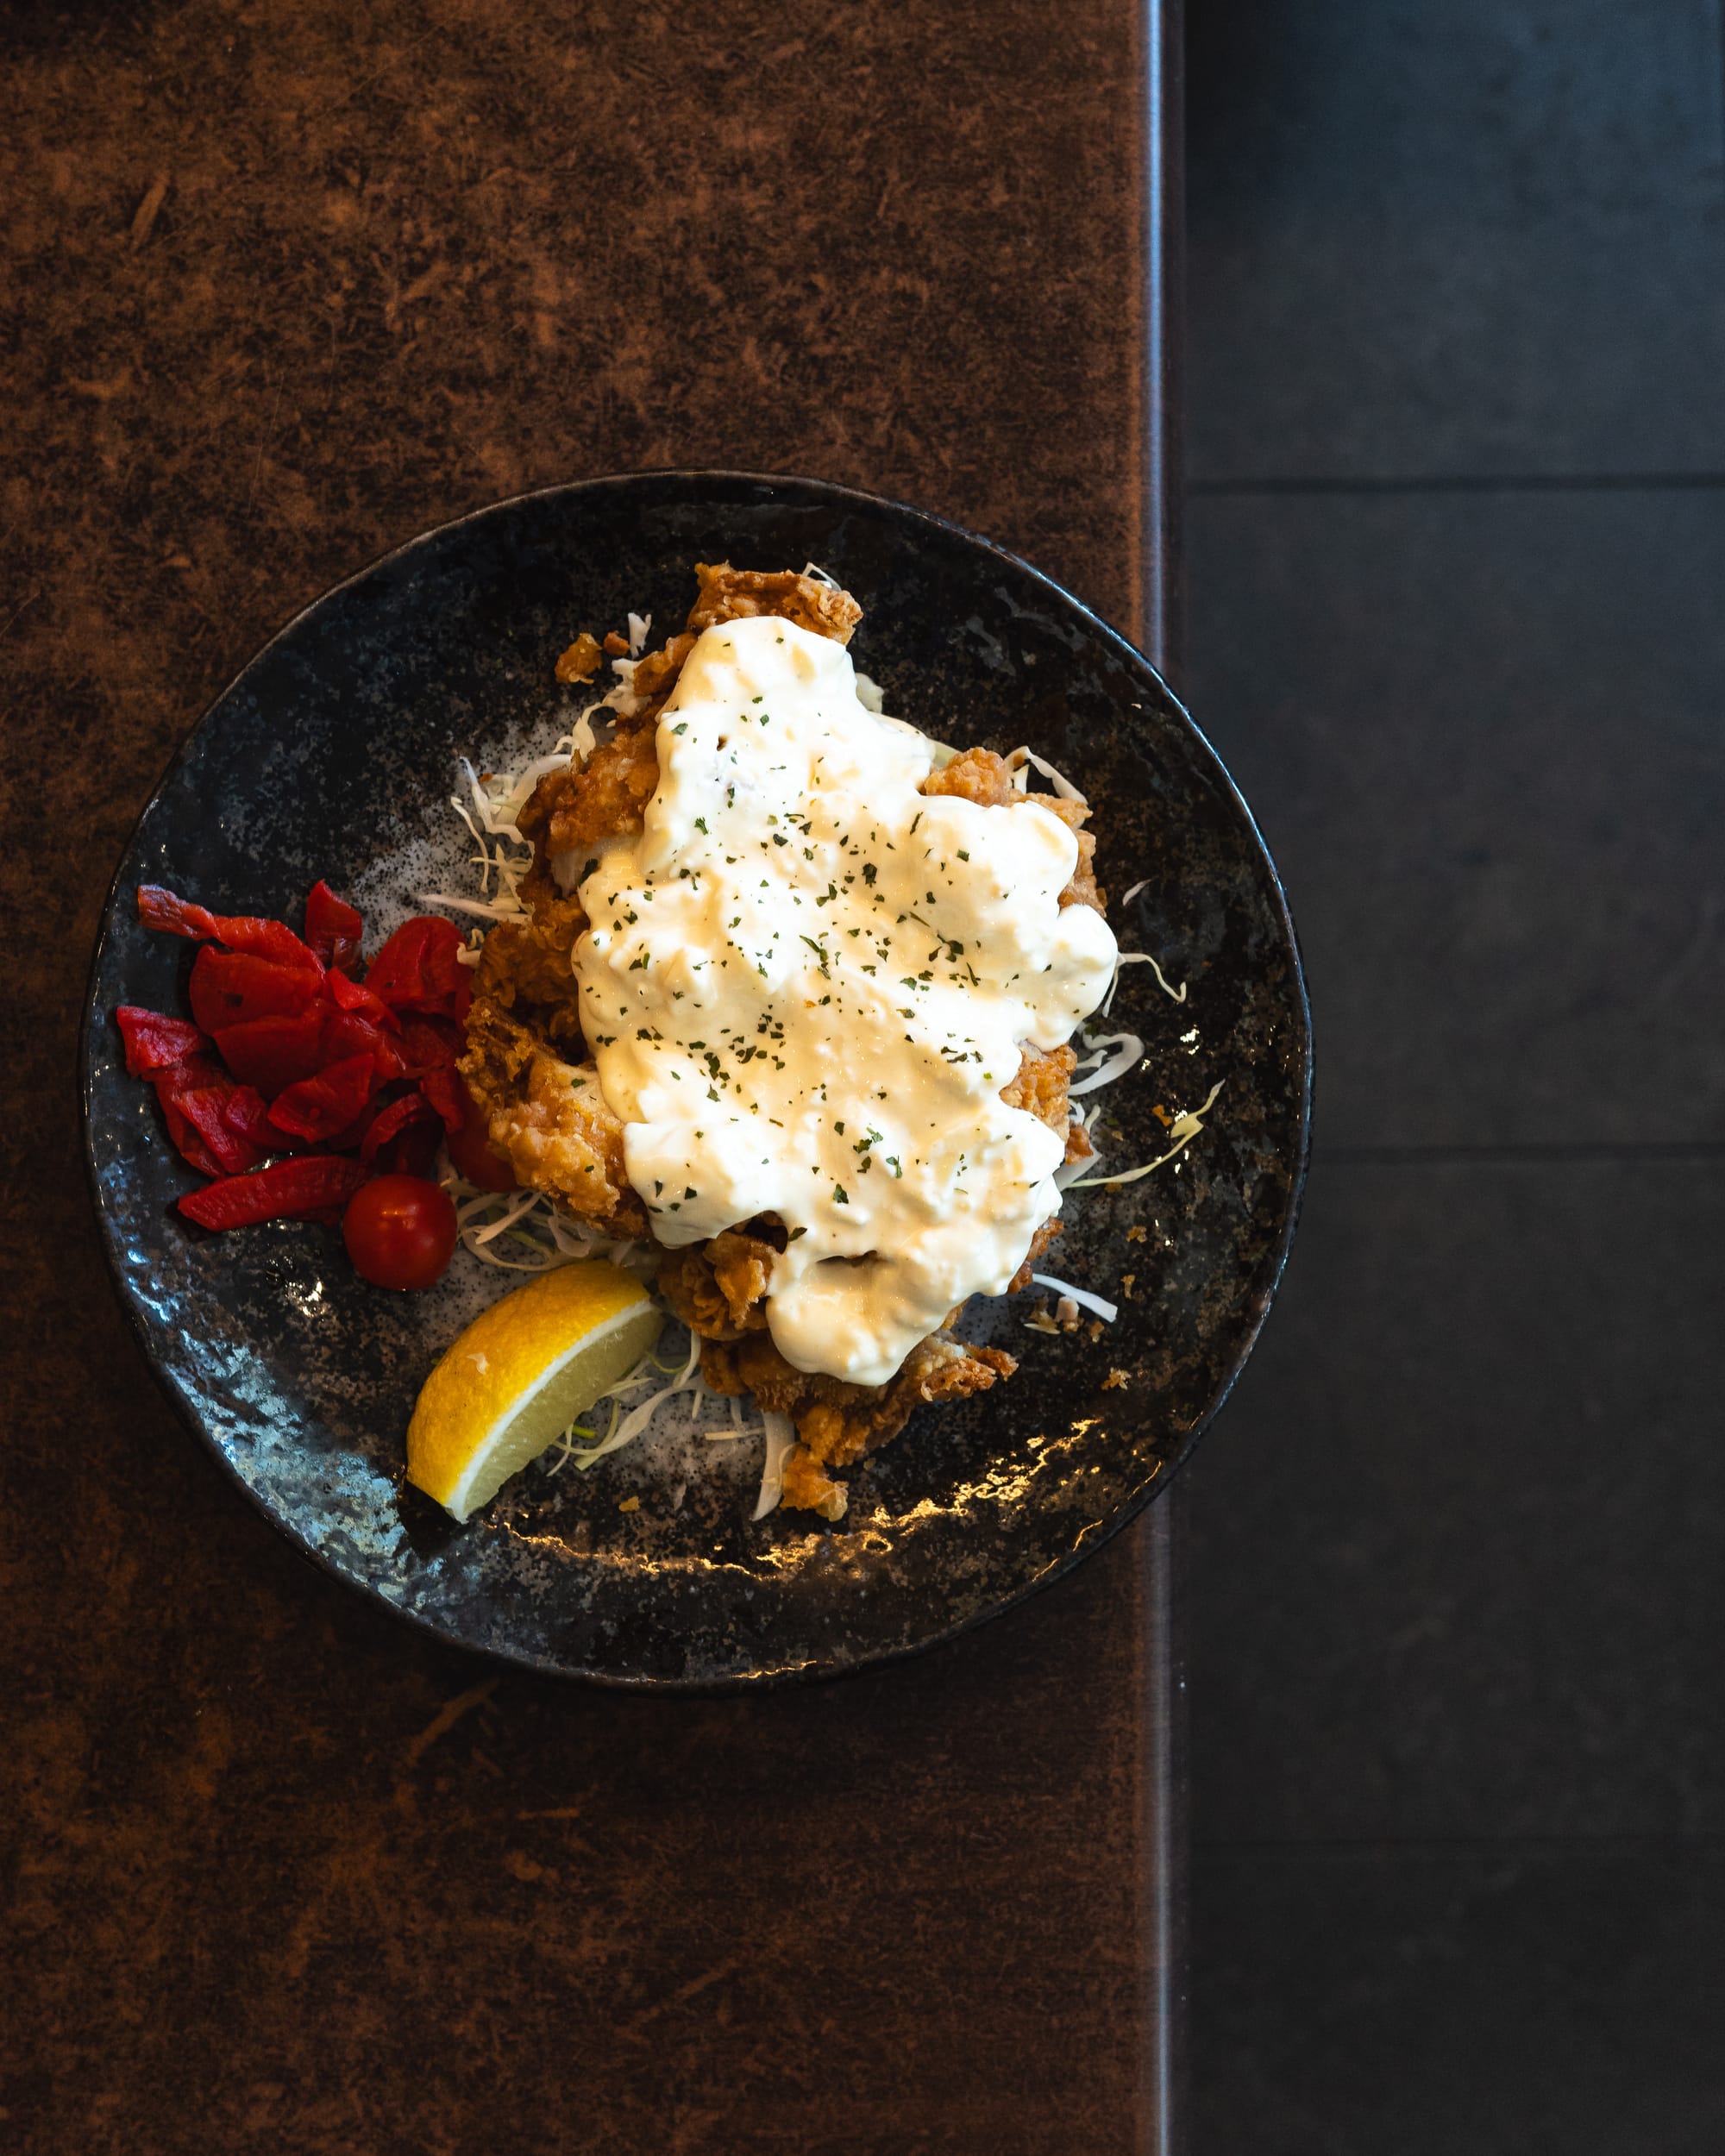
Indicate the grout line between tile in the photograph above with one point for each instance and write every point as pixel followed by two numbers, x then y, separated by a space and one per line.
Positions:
pixel 1443 1156
pixel 1319 1844
pixel 1719 73
pixel 1469 483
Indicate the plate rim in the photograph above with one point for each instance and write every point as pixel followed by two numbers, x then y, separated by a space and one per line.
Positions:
pixel 810 1670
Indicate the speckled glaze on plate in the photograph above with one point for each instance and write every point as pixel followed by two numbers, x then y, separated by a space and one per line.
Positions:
pixel 300 1378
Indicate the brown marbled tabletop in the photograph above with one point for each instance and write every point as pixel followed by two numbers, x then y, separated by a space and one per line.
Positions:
pixel 279 286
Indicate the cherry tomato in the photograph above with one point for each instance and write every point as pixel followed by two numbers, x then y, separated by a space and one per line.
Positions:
pixel 470 1150
pixel 399 1231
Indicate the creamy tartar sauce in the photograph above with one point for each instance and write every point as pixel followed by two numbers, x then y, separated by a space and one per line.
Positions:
pixel 804 984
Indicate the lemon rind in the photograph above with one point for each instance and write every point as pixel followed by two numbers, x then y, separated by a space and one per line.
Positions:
pixel 456 1502
pixel 440 1401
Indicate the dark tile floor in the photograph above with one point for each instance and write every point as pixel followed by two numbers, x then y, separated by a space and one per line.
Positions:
pixel 1455 237
pixel 1457 550
pixel 1556 1998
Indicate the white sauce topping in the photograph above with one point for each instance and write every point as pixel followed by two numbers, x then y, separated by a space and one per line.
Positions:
pixel 805 986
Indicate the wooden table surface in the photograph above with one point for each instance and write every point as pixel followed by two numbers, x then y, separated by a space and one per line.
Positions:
pixel 284 285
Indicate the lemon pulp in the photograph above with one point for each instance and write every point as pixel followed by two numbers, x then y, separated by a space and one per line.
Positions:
pixel 519 1375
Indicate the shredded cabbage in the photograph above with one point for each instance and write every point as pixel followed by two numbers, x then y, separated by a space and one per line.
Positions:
pixel 1140 958
pixel 1183 1129
pixel 481 909
pixel 1099 1304
pixel 781 1435
pixel 1024 760
pixel 1117 1053
pixel 521 1232
pixel 613 1421
pixel 498 798
pixel 625 1427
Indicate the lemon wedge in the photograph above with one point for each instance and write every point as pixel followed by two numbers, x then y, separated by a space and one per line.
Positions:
pixel 519 1375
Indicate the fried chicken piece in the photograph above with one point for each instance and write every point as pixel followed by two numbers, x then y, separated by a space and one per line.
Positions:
pixel 838 1422
pixel 839 1431
pixel 549 1117
pixel 549 1120
pixel 1039 1243
pixel 545 1115
pixel 656 675
pixel 526 970
pixel 1083 889
pixel 581 661
pixel 978 775
pixel 607 796
pixel 808 1486
pixel 1039 1084
pixel 718 1288
pixel 604 798
pixel 728 594
pixel 526 1005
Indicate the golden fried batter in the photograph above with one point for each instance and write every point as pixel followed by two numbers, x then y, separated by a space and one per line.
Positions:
pixel 728 594
pixel 808 1486
pixel 525 971
pixel 549 1120
pixel 1083 889
pixel 581 661
pixel 1039 1087
pixel 656 675
pixel 607 796
pixel 1039 1243
pixel 600 798
pixel 718 1288
pixel 838 1422
pixel 980 776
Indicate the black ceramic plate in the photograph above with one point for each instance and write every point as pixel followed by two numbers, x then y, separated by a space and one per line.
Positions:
pixel 300 1377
